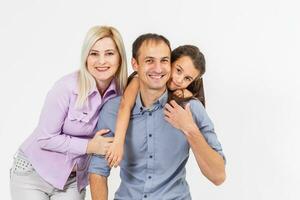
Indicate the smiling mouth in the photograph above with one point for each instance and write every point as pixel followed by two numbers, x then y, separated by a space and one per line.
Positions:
pixel 156 76
pixel 102 69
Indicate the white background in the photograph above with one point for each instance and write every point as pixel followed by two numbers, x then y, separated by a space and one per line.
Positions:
pixel 252 83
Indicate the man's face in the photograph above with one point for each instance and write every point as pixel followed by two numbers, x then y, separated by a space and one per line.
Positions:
pixel 153 65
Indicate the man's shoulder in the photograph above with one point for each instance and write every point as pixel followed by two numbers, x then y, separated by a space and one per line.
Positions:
pixel 196 104
pixel 112 105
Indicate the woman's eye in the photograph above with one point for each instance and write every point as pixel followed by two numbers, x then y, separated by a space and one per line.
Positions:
pixel 110 54
pixel 93 54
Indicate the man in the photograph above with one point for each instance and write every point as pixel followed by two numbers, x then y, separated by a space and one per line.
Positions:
pixel 155 154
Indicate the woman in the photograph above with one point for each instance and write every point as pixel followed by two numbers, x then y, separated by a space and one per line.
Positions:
pixel 188 66
pixel 52 162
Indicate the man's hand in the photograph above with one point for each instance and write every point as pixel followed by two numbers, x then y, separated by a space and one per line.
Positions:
pixel 180 118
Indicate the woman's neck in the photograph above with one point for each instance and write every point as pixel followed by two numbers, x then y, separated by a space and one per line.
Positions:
pixel 103 85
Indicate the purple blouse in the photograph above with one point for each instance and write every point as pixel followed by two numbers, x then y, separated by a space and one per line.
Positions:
pixel 59 142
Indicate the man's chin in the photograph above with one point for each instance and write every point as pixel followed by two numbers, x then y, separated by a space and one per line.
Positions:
pixel 157 87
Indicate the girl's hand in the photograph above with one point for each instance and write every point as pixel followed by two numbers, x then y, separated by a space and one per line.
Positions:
pixel 178 117
pixel 183 93
pixel 114 154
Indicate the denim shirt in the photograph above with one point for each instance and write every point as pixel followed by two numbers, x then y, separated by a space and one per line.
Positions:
pixel 153 166
pixel 59 142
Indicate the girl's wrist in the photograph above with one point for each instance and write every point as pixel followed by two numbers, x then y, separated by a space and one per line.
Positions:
pixel 189 130
pixel 119 141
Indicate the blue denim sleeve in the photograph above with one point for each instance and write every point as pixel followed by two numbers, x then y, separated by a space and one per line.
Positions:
pixel 107 117
pixel 206 126
pixel 98 165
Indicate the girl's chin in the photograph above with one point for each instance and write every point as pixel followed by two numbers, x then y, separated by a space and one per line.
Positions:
pixel 171 87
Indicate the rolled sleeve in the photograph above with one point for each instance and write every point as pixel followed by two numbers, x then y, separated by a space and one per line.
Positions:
pixel 98 165
pixel 107 119
pixel 206 127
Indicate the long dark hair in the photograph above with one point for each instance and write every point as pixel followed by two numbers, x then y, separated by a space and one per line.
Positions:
pixel 196 87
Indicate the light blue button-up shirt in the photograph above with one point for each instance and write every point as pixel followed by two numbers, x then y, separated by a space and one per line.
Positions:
pixel 153 166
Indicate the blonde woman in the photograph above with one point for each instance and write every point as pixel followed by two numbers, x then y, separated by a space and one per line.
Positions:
pixel 52 163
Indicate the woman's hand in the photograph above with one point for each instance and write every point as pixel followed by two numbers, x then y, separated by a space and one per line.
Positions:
pixel 114 154
pixel 99 144
pixel 180 118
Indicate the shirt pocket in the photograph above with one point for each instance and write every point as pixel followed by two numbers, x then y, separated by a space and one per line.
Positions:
pixel 79 116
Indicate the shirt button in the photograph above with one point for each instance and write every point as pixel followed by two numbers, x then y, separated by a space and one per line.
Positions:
pixel 149 177
pixel 150 135
pixel 150 113
pixel 145 196
pixel 150 156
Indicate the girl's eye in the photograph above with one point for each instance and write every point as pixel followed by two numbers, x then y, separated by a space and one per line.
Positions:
pixel 178 70
pixel 188 79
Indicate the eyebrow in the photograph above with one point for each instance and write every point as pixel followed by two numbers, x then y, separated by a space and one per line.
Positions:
pixel 180 67
pixel 166 57
pixel 104 50
pixel 148 57
pixel 151 57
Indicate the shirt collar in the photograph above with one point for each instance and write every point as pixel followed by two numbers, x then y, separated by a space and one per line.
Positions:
pixel 112 89
pixel 160 103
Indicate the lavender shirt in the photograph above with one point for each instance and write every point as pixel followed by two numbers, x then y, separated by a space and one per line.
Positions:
pixel 60 140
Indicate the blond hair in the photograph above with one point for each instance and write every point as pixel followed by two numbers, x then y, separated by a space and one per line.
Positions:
pixel 85 80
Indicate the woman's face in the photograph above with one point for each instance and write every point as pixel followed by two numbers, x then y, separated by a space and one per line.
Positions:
pixel 103 61
pixel 183 73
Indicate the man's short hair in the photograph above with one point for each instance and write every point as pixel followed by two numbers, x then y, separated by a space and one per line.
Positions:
pixel 147 37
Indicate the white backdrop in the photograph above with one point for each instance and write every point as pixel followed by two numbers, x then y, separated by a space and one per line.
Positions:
pixel 251 81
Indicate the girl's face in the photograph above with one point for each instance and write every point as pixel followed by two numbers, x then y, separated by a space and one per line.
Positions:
pixel 183 73
pixel 103 61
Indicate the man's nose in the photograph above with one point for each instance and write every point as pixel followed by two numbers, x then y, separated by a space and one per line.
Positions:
pixel 158 67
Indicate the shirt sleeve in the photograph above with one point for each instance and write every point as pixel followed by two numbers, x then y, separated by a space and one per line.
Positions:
pixel 107 118
pixel 50 136
pixel 206 126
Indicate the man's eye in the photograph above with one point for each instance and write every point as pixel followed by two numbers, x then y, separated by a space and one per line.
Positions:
pixel 149 61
